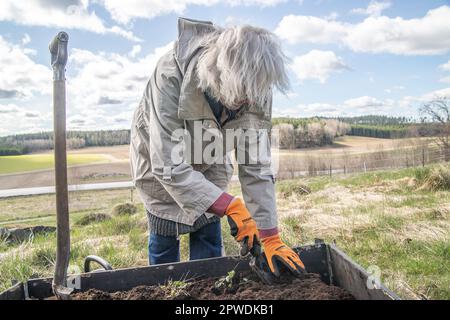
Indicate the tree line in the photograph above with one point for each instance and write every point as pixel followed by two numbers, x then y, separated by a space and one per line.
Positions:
pixel 387 127
pixel 306 133
pixel 32 142
pixel 293 133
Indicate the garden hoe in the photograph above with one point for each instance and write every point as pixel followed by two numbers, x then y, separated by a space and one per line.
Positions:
pixel 58 50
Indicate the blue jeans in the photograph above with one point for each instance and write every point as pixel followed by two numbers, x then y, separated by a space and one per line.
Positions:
pixel 206 242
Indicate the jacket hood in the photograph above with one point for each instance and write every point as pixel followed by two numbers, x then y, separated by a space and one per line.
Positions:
pixel 190 33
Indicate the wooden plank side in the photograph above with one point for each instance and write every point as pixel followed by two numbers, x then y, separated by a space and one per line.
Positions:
pixel 16 292
pixel 315 259
pixel 352 277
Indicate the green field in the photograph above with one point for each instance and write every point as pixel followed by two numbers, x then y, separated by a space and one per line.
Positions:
pixel 32 162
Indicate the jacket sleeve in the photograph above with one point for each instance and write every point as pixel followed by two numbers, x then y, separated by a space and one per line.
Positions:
pixel 189 188
pixel 257 182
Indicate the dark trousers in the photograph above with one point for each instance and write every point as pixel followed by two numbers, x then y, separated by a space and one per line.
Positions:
pixel 206 242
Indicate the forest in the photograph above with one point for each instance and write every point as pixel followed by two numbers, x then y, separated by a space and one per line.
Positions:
pixel 294 133
pixel 32 142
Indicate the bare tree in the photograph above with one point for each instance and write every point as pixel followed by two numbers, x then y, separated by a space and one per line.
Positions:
pixel 438 110
pixel 286 135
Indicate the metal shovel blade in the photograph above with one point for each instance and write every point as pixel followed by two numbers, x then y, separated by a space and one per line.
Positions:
pixel 260 266
pixel 62 292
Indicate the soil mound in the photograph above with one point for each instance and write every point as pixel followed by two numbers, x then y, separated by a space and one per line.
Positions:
pixel 244 286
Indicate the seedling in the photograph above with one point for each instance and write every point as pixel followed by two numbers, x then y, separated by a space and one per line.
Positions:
pixel 175 289
pixel 225 282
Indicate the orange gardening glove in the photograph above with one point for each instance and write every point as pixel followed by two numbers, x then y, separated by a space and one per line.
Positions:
pixel 277 253
pixel 243 227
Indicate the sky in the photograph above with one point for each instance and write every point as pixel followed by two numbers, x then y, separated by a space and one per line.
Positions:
pixel 346 58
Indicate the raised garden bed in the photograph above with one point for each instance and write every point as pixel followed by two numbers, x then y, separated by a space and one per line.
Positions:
pixel 332 275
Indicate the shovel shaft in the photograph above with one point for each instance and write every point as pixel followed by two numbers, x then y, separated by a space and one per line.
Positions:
pixel 62 205
pixel 59 55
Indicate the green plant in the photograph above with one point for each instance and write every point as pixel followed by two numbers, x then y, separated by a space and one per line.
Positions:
pixel 126 208
pixel 14 267
pixel 44 256
pixel 293 187
pixel 173 289
pixel 227 281
pixel 92 218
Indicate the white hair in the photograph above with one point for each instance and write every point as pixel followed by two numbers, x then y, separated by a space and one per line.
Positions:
pixel 242 64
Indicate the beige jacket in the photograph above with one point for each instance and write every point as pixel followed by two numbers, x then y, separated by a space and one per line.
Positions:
pixel 182 192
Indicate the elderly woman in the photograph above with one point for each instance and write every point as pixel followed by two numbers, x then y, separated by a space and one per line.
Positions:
pixel 212 82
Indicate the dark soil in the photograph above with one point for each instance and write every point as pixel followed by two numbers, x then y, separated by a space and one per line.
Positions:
pixel 245 286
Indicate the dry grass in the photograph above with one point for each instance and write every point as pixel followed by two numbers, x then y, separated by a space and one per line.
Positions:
pixel 126 208
pixel 92 218
pixel 423 231
pixel 436 179
pixel 380 219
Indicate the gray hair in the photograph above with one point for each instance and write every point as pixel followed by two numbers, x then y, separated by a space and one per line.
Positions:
pixel 242 63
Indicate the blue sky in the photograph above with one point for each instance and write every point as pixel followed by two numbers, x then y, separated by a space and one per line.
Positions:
pixel 346 57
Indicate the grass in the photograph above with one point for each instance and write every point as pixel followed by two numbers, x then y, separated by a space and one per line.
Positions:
pixel 379 220
pixel 92 218
pixel 32 210
pixel 383 219
pixel 32 162
pixel 124 209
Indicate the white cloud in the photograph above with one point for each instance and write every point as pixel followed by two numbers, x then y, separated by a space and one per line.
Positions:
pixel 364 102
pixel 308 110
pixel 26 39
pixel 262 3
pixel 149 9
pixel 233 21
pixel 332 16
pixel 69 14
pixel 21 76
pixel 16 119
pixel 103 85
pixel 297 29
pixel 373 9
pixel 394 88
pixel 416 101
pixel 440 93
pixel 445 66
pixel 427 35
pixel 135 51
pixel 352 107
pixel 317 65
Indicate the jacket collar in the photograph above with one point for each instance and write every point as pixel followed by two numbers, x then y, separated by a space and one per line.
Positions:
pixel 192 104
pixel 190 33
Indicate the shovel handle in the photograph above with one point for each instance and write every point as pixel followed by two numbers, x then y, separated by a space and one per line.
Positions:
pixel 58 50
pixel 102 262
